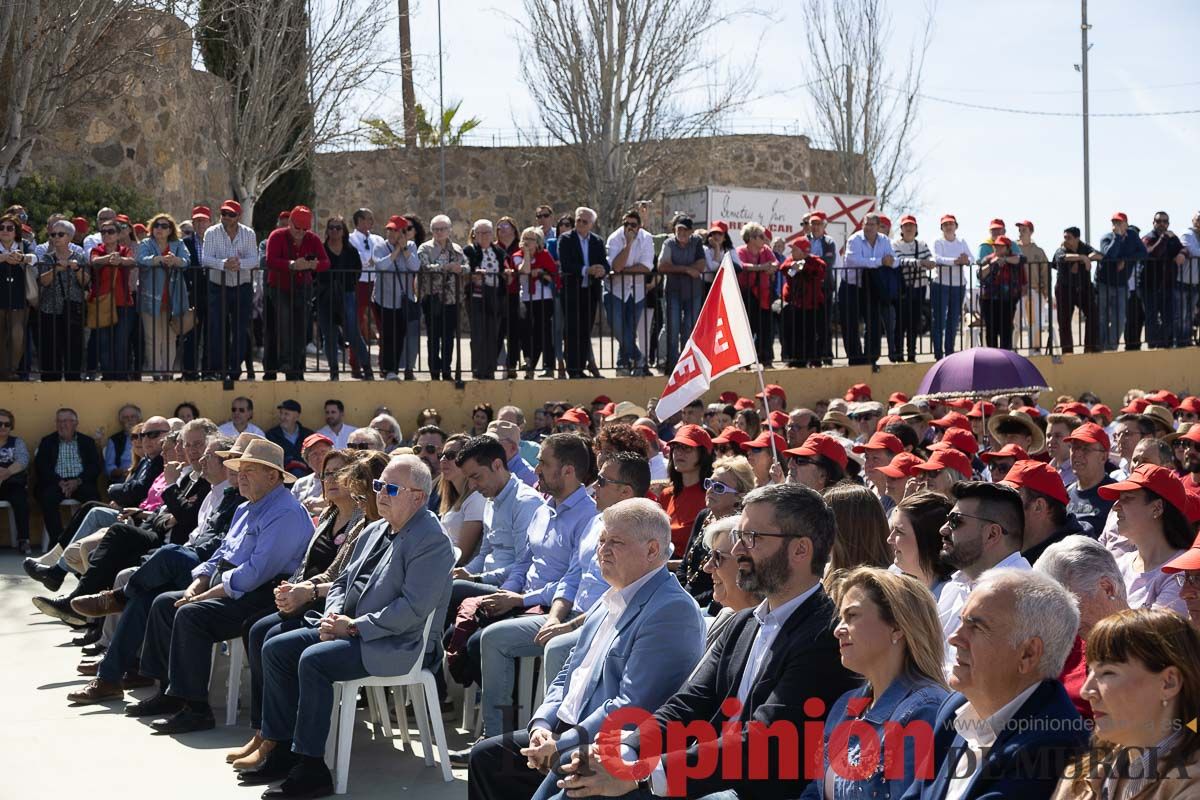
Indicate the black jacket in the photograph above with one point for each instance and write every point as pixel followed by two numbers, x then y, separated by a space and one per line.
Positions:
pixel 293 459
pixel 570 253
pixel 46 460
pixel 183 503
pixel 133 490
pixel 803 663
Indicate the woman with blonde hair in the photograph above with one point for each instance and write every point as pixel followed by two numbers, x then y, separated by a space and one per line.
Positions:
pixel 888 632
pixel 862 531
pixel 721 567
pixel 1144 687
pixel 538 277
pixel 162 295
pixel 731 478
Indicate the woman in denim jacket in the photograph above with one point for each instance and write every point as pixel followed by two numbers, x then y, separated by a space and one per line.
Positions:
pixel 888 633
pixel 162 298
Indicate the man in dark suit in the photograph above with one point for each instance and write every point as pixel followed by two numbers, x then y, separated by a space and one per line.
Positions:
pixel 197 286
pixel 67 466
pixel 375 623
pixel 583 261
pixel 1010 729
pixel 774 660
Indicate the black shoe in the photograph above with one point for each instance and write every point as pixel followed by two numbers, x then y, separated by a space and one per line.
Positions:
pixel 277 765
pixel 408 375
pixel 93 649
pixel 94 632
pixel 60 609
pixel 268 376
pixel 308 778
pixel 186 720
pixel 461 758
pixel 157 706
pixel 51 577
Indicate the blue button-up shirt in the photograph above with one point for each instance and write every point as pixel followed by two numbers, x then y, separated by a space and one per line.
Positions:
pixel 518 466
pixel 267 538
pixel 861 254
pixel 583 580
pixel 552 548
pixel 507 519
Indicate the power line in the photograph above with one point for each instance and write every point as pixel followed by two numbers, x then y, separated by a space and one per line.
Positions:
pixel 1032 113
pixel 1115 90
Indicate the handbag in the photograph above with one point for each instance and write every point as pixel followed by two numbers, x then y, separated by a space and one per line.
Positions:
pixel 33 292
pixel 184 323
pixel 101 312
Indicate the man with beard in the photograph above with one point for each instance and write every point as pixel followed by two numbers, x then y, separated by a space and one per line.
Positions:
pixel 983 530
pixel 775 661
pixel 1191 459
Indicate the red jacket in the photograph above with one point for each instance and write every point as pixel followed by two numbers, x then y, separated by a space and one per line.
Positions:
pixel 110 279
pixel 805 289
pixel 282 250
pixel 543 261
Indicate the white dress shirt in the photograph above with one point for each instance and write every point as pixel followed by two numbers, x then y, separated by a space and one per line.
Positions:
pixel 208 508
pixel 365 244
pixel 614 601
pixel 218 247
pixel 954 597
pixel 341 437
pixel 769 624
pixel 227 429
pixel 980 734
pixel 625 285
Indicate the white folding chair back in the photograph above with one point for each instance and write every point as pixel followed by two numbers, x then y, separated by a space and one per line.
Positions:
pixel 233 686
pixel 12 521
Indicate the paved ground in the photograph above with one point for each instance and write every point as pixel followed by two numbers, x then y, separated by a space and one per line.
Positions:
pixel 99 754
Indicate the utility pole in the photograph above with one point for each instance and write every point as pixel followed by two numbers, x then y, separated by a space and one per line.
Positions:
pixel 407 92
pixel 1087 180
pixel 441 111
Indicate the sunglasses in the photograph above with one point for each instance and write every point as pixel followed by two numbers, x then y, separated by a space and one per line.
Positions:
pixel 148 435
pixel 1188 444
pixel 954 520
pixel 427 449
pixel 716 557
pixel 58 234
pixel 542 216
pixel 108 231
pixel 335 227
pixel 5 424
pixel 716 487
pixel 448 455
pixel 163 225
pixel 602 481
pixel 228 214
pixel 358 446
pixel 8 227
pixel 390 489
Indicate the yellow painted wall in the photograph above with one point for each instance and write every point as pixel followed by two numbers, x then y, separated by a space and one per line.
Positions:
pixel 1107 374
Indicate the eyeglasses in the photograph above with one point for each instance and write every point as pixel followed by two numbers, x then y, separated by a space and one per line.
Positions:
pixel 358 445
pixel 748 538
pixel 390 489
pixel 954 519
pixel 717 557
pixel 427 449
pixel 164 225
pixel 718 488
pixel 1191 579
pixel 602 481
pixel 108 231
pixel 58 234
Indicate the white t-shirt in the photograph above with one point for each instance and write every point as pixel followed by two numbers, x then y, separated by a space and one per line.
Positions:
pixel 471 510
pixel 947 273
pixel 227 429
pixel 341 437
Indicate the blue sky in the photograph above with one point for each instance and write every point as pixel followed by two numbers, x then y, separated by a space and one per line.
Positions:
pixel 975 163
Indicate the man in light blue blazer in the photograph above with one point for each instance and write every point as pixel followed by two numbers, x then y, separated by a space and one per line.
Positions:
pixel 640 642
pixel 373 624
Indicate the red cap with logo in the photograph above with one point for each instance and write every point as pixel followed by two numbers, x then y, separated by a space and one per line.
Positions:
pixel 1089 433
pixel 1002 241
pixel 958 439
pixel 778 420
pixel 819 215
pixel 897 398
pixel 908 219
pixel 902 465
pixel 1189 404
pixel 233 207
pixel 881 441
pixel 302 217
pixel 947 459
pixel 693 436
pixel 1009 450
pixel 953 419
pixel 763 441
pixel 773 390
pixel 948 218
pixel 315 438
pixel 201 211
pixel 743 403
pixel 1120 216
pixel 981 409
pixel 719 225
pixel 996 223
pixel 732 435
pixel 396 223
pixel 1164 398
pixel 801 241
pixel 857 393
pixel 1101 410
pixel 1136 406
pixel 821 444
pixel 1078 409
pixel 575 416
pixel 1039 477
pixel 1160 480
pixel 1025 224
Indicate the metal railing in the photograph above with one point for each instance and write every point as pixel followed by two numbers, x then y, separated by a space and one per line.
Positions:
pixel 445 326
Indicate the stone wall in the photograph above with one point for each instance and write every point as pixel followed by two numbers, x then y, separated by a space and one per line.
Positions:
pixel 493 181
pixel 158 135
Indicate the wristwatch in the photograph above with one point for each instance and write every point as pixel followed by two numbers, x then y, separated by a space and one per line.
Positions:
pixel 352 630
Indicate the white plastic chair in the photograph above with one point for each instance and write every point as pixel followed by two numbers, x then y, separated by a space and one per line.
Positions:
pixel 66 503
pixel 425 707
pixel 12 521
pixel 529 690
pixel 233 686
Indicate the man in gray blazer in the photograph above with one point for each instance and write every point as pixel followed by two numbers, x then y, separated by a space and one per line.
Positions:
pixel 375 615
pixel 640 642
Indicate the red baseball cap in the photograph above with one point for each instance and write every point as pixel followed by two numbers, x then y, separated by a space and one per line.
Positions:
pixel 1101 410
pixel 763 441
pixel 81 225
pixel 958 439
pixel 961 403
pixel 285 214
pixel 1002 241
pixel 601 399
pixel 908 219
pixel 1165 398
pixel 1077 408
pixel 884 421
pixel 719 225
pixel 201 211
pixel 801 241
pixel 981 409
pixel 897 398
pixel 123 218
pixel 576 416
pixel 821 215
pixel 1089 433
pixel 902 465
pixel 607 409
pixel 886 222
pixel 729 398
pixel 233 207
pixel 396 223
pixel 1160 480
pixel 693 436
pixel 770 237
pixel 302 217
pixel 821 444
pixel 1136 406
pixel 948 458
pixel 996 223
pixel 1119 215
pixel 315 438
pixel 1189 404
pixel 743 403
pixel 858 392
pixel 1009 450
pixel 1189 559
pixel 777 419
pixel 948 218
pixel 773 390
pixel 1037 477
pixel 649 434
pixel 1192 434
pixel 139 229
pixel 881 441
pixel 1025 224
pixel 732 435
pixel 953 419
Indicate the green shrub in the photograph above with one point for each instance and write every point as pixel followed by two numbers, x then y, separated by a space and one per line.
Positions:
pixel 76 196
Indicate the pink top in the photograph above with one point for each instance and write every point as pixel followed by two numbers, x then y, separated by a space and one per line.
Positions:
pixel 154 496
pixel 1152 588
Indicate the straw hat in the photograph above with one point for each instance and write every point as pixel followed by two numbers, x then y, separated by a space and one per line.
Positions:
pixel 239 446
pixel 1162 416
pixel 832 418
pixel 1038 443
pixel 260 451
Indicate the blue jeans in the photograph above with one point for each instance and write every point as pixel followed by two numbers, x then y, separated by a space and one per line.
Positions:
pixel 1159 326
pixel 299 671
pixel 109 347
pixel 1111 301
pixel 624 316
pixel 1186 297
pixel 262 632
pixel 683 307
pixel 227 328
pixel 168 569
pixel 946 304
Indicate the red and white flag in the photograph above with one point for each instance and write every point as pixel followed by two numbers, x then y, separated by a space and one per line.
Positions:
pixel 721 342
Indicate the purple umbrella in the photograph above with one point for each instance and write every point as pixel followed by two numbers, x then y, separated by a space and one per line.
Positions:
pixel 981 372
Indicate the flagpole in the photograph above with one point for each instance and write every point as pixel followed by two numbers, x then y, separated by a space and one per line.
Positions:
pixel 762 385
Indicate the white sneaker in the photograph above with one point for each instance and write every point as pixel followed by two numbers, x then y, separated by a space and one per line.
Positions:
pixel 391 376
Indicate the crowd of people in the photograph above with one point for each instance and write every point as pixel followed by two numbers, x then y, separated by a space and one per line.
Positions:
pixel 1019 574
pixel 206 298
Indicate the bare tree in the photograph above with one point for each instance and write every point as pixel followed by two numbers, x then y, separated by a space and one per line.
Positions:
pixel 864 85
pixel 55 55
pixel 287 100
pixel 616 80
